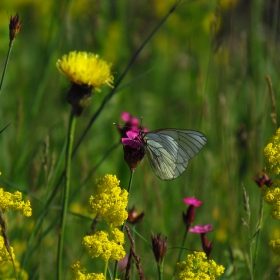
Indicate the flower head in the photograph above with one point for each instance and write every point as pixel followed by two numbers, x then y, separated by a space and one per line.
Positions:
pixel 275 246
pixel 159 246
pixel 106 246
pixel 201 229
pixel 206 244
pixel 79 273
pixel 188 218
pixel 198 267
pixel 192 201
pixel 110 202
pixel 131 123
pixel 4 254
pixel 272 153
pixel 13 201
pixel 86 71
pixel 133 139
pixel 14 27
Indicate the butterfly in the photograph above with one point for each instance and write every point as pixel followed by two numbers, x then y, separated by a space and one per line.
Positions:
pixel 169 150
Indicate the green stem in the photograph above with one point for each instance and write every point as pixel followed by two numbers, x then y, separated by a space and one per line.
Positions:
pixel 105 269
pixel 258 235
pixel 63 217
pixel 181 251
pixel 122 227
pixel 6 64
pixel 160 270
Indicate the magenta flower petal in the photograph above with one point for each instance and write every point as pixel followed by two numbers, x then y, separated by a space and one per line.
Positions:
pixel 129 119
pixel 201 229
pixel 133 139
pixel 192 201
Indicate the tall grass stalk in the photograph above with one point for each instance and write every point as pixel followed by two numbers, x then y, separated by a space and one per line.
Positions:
pixel 70 137
pixel 5 67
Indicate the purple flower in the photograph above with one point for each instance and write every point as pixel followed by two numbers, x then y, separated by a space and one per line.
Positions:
pixel 201 229
pixel 192 201
pixel 133 140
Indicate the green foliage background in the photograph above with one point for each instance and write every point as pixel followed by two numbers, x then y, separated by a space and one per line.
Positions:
pixel 204 69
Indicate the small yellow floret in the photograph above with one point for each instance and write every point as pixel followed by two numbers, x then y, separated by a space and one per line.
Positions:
pixel 105 247
pixel 198 267
pixel 79 273
pixel 13 201
pixel 272 153
pixel 110 202
pixel 275 246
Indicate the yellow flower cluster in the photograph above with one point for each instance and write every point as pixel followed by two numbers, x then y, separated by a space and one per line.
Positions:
pixel 110 202
pixel 79 273
pixel 272 153
pixel 108 248
pixel 4 254
pixel 85 69
pixel 275 246
pixel 271 196
pixel 198 267
pixel 8 200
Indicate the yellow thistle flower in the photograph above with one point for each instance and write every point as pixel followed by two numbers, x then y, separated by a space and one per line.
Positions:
pixel 85 69
pixel 108 248
pixel 198 267
pixel 275 246
pixel 272 153
pixel 79 273
pixel 13 201
pixel 110 202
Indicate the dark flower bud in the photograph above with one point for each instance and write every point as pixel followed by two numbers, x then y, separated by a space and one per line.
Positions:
pixel 14 27
pixel 134 217
pixel 263 180
pixel 188 218
pixel 159 246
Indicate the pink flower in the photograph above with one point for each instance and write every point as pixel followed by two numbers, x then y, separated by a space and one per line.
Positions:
pixel 201 229
pixel 130 121
pixel 192 201
pixel 133 140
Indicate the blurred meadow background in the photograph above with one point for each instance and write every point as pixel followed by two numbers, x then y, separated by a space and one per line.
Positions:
pixel 206 68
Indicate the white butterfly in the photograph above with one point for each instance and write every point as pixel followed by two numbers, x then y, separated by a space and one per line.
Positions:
pixel 169 150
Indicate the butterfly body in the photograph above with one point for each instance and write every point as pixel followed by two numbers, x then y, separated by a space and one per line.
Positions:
pixel 169 150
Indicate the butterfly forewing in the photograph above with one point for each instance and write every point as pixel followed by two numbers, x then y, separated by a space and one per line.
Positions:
pixel 169 150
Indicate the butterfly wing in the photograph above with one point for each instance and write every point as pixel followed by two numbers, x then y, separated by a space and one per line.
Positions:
pixel 169 150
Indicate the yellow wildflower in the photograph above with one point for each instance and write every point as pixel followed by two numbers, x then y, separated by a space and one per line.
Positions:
pixel 8 200
pixel 198 267
pixel 272 153
pixel 105 247
pixel 79 273
pixel 85 69
pixel 275 246
pixel 110 201
pixel 4 254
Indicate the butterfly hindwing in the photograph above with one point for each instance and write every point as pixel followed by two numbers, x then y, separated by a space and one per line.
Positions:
pixel 169 150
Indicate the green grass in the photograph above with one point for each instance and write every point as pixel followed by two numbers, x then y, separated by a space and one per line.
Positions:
pixel 185 77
